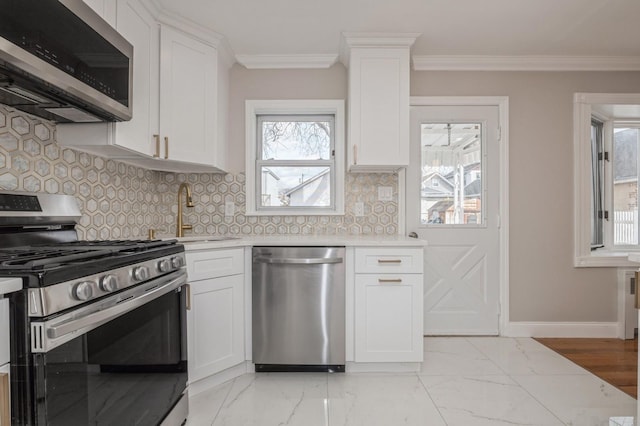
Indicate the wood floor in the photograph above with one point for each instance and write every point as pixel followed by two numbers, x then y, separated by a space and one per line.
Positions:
pixel 613 360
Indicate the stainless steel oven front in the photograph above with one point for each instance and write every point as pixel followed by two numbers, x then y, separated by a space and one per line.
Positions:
pixel 118 361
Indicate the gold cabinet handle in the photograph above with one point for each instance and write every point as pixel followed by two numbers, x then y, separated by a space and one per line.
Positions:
pixel 355 155
pixel 5 419
pixel 166 147
pixel 389 280
pixel 187 288
pixel 157 154
pixel 389 261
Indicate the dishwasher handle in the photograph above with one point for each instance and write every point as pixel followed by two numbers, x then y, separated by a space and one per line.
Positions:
pixel 298 260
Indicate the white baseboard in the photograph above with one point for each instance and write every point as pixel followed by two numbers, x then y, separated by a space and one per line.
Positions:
pixel 561 329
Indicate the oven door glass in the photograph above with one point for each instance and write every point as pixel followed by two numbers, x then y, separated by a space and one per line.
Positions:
pixel 130 371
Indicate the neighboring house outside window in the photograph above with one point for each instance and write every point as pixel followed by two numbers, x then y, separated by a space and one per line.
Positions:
pixel 295 156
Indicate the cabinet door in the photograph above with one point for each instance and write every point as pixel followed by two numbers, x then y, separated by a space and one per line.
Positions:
pixel 136 25
pixel 379 108
pixel 215 326
pixel 388 318
pixel 187 97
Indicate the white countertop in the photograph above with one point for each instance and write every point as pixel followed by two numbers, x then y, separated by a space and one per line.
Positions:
pixel 9 285
pixel 206 242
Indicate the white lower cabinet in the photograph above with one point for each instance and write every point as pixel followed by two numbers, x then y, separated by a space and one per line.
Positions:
pixel 215 320
pixel 388 319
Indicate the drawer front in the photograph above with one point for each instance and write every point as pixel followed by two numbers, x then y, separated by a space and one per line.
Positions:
pixel 389 260
pixel 214 263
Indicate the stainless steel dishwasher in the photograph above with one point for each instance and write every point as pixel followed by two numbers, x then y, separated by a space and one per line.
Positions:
pixel 298 309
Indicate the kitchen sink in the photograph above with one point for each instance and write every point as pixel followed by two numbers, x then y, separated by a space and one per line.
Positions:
pixel 206 239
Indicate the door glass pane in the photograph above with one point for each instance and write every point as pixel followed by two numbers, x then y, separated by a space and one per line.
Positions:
pixel 451 187
pixel 293 186
pixel 625 185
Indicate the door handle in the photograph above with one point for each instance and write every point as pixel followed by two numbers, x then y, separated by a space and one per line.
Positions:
pixel 166 147
pixel 303 261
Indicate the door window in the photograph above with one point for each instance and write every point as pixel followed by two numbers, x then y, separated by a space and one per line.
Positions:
pixel 451 185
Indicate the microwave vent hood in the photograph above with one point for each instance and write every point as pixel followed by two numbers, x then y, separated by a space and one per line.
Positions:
pixel 61 61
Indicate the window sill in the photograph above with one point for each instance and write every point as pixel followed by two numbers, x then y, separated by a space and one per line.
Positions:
pixel 607 259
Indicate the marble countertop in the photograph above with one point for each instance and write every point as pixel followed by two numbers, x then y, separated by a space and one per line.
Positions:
pixel 209 242
pixel 9 285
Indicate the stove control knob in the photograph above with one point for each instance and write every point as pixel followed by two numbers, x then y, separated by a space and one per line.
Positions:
pixel 177 262
pixel 109 283
pixel 164 265
pixel 140 273
pixel 83 291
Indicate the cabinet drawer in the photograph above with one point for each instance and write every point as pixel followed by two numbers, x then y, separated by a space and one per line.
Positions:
pixel 388 260
pixel 214 263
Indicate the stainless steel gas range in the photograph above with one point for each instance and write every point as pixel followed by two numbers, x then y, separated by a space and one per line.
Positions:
pixel 98 333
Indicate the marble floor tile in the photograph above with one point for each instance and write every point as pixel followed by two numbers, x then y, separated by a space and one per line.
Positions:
pixel 276 399
pixel 581 400
pixel 524 356
pixel 204 407
pixel 455 356
pixel 380 400
pixel 486 400
pixel 466 381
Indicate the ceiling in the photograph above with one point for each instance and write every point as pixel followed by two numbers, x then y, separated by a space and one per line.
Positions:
pixel 447 27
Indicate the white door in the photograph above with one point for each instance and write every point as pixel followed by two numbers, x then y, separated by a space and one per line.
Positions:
pixel 453 203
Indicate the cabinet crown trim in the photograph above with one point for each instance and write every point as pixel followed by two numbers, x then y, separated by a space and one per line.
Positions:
pixel 350 41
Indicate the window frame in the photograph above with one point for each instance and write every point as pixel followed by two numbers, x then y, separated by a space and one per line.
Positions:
pixel 584 108
pixel 254 109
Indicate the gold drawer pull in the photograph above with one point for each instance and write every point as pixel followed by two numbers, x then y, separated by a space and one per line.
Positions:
pixel 389 280
pixel 389 261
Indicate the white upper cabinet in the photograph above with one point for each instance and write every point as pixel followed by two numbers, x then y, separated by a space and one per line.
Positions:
pixel 104 8
pixel 180 98
pixel 189 118
pixel 378 101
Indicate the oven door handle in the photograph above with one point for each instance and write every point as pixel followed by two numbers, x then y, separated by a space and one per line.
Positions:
pixel 93 320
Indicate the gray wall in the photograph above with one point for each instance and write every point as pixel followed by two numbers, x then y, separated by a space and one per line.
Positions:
pixel 544 285
pixel 276 84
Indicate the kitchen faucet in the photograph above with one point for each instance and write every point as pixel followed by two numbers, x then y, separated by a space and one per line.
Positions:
pixel 181 226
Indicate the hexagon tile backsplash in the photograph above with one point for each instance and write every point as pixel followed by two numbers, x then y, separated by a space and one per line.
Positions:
pixel 122 201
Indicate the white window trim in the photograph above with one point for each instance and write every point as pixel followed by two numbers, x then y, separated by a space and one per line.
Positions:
pixel 253 108
pixel 582 112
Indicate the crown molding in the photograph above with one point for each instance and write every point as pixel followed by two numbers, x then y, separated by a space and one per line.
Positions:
pixel 205 35
pixel 525 63
pixel 349 41
pixel 302 61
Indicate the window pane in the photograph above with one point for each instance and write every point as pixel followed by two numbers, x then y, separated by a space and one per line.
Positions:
pixel 597 193
pixel 296 139
pixel 452 187
pixel 625 185
pixel 295 186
